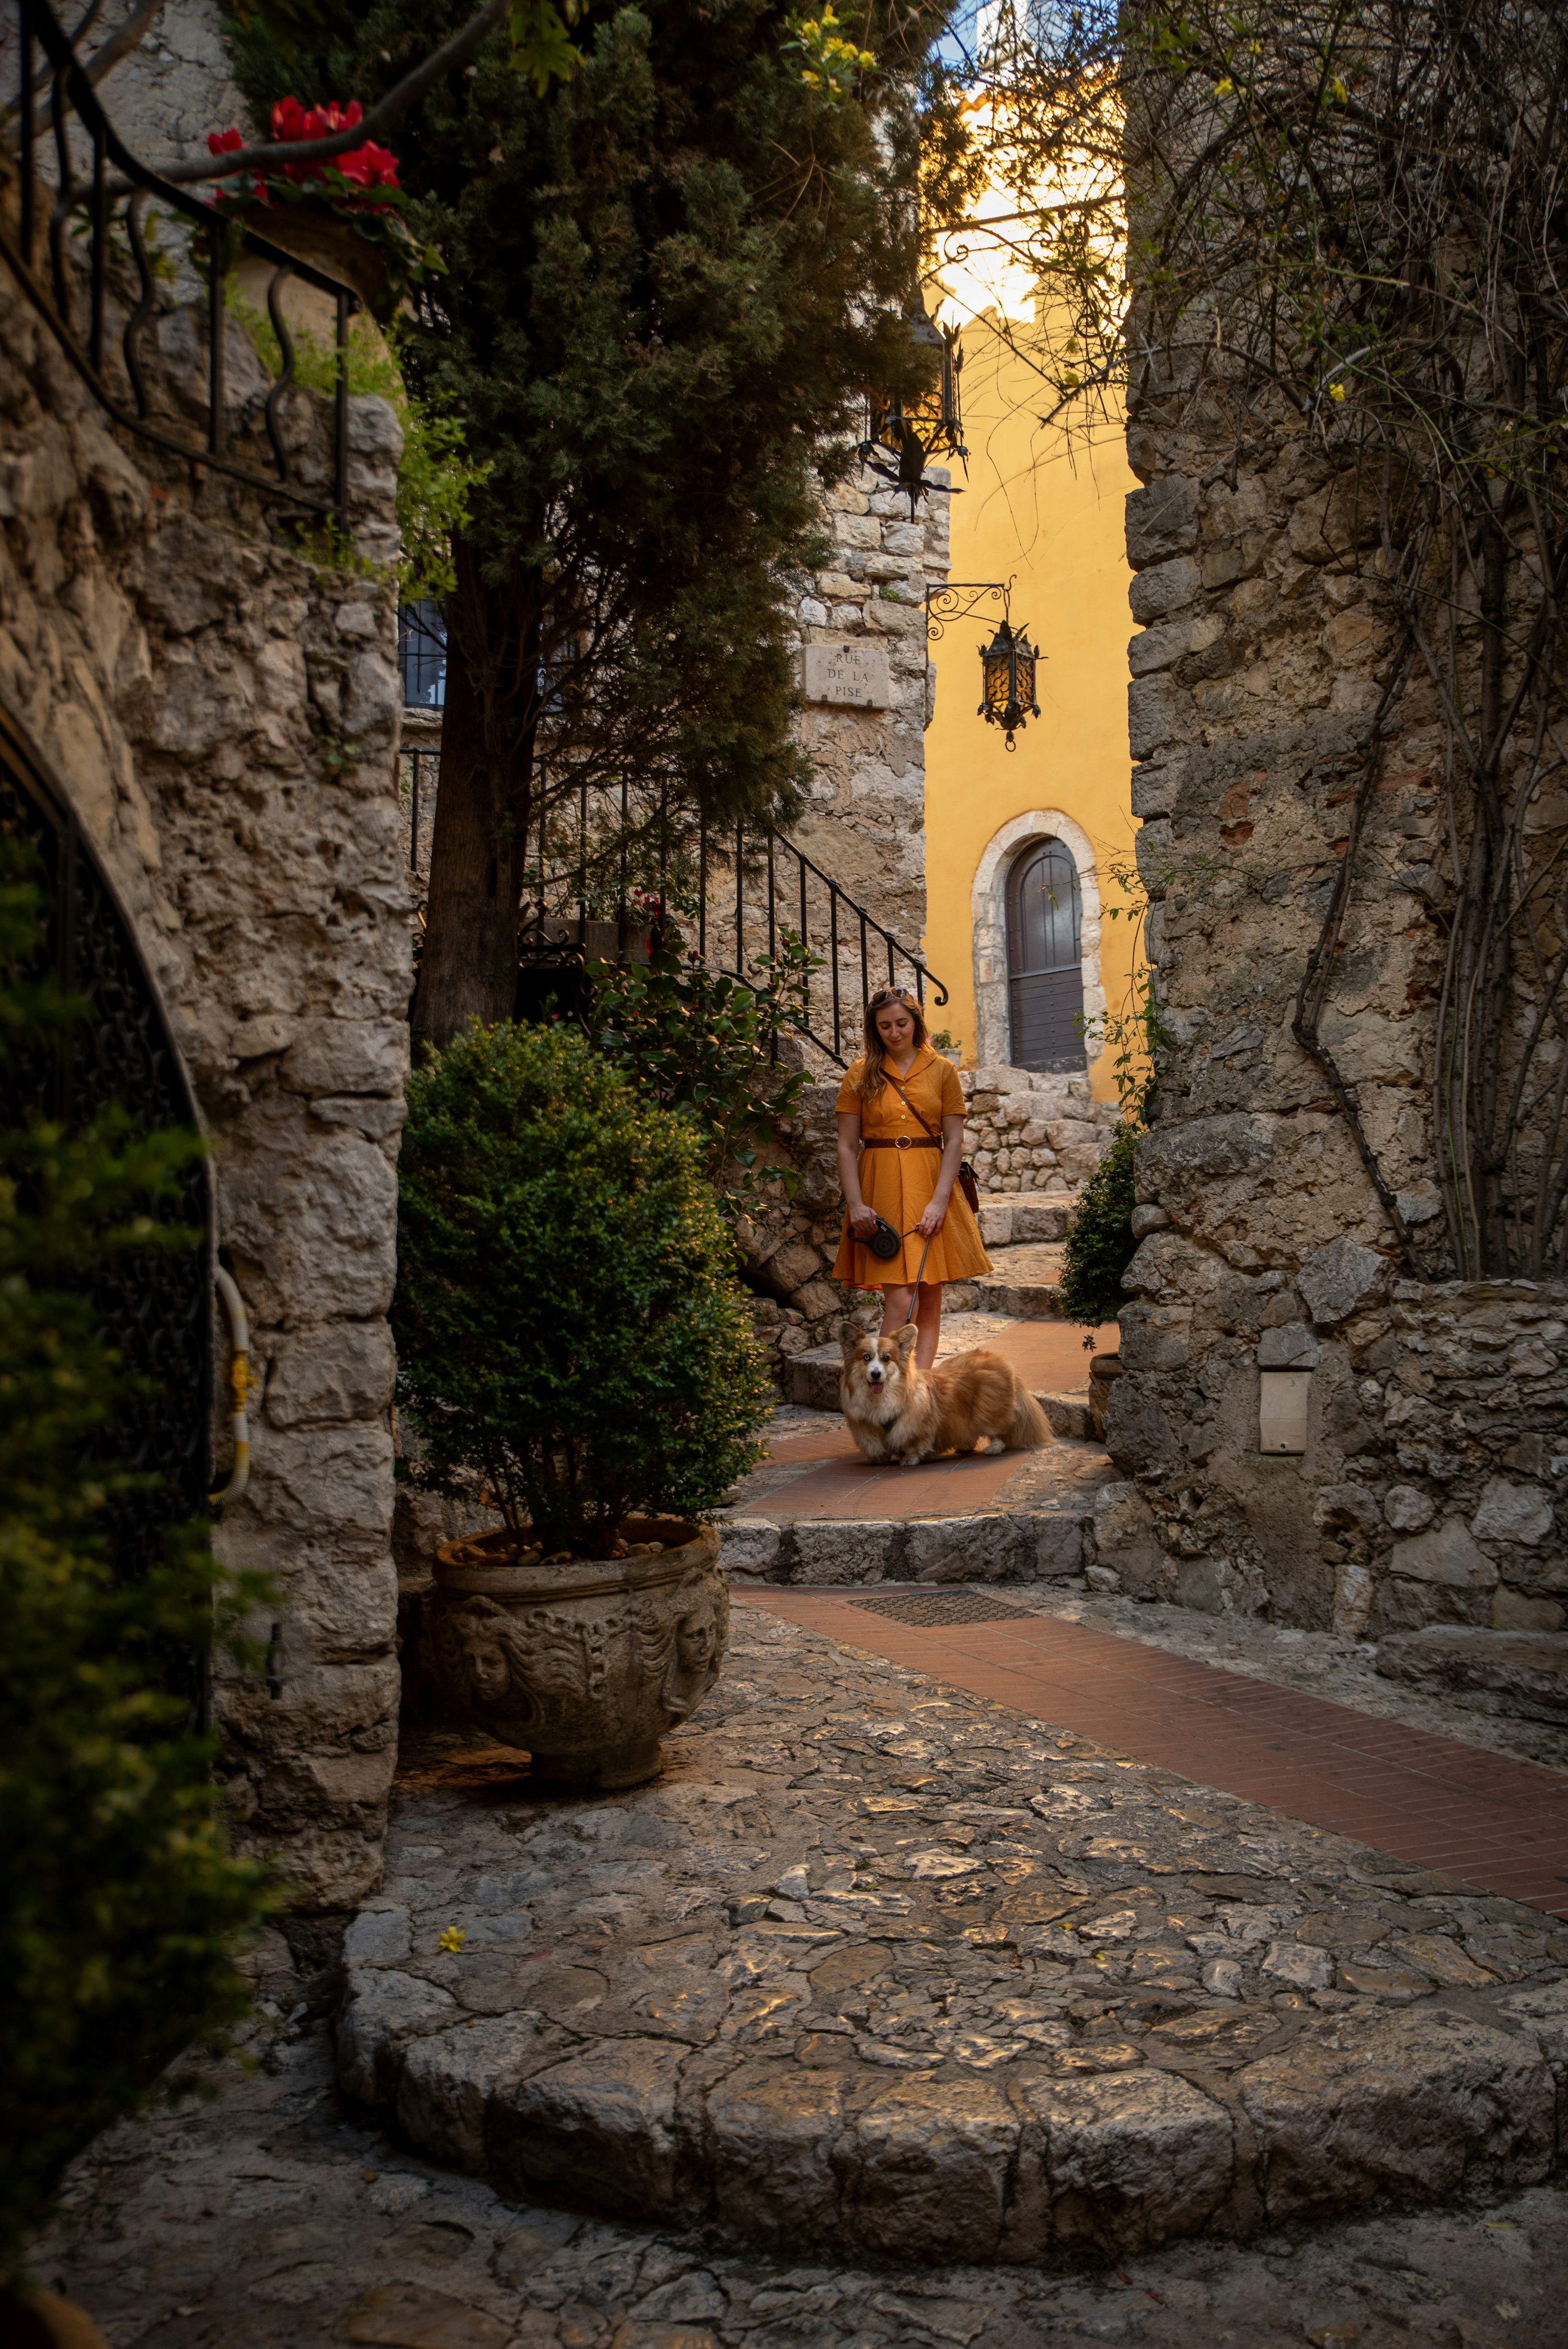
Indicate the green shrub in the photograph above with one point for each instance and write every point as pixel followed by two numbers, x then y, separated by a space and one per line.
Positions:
pixel 1099 1241
pixel 568 1323
pixel 692 1039
pixel 437 478
pixel 119 1901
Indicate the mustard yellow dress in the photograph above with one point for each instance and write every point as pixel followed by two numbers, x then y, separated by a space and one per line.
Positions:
pixel 897 1184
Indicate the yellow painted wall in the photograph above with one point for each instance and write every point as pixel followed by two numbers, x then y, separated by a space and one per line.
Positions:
pixel 1052 514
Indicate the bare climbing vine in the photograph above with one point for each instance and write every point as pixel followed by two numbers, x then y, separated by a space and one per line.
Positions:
pixel 1352 216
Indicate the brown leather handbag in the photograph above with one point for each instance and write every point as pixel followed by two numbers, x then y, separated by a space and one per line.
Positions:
pixel 966 1183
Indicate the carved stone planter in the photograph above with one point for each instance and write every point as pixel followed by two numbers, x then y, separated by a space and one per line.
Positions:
pixel 585 1663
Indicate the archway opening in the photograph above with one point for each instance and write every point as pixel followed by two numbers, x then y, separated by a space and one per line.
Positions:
pixel 1044 959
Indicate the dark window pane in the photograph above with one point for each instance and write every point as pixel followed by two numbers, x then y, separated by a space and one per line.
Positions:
pixel 422 656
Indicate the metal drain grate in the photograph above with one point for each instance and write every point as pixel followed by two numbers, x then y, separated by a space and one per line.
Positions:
pixel 931 1608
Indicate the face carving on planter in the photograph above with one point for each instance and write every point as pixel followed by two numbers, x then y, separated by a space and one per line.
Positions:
pixel 694 1664
pixel 486 1654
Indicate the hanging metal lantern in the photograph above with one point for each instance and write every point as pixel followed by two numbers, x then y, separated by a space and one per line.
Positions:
pixel 1007 667
pixel 910 435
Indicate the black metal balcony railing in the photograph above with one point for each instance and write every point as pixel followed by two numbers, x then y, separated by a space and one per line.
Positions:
pixel 87 223
pixel 571 922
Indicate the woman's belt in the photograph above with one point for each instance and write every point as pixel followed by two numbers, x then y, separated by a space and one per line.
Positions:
pixel 904 1142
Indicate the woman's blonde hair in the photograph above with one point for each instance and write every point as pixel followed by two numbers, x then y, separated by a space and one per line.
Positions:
pixel 871 1081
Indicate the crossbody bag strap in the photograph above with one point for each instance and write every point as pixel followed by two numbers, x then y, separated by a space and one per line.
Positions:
pixel 910 1105
pixel 967 1183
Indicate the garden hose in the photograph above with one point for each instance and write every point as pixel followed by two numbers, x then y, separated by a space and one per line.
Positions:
pixel 238 1382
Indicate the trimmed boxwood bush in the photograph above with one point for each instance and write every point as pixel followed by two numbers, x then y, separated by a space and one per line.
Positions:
pixel 1100 1242
pixel 568 1321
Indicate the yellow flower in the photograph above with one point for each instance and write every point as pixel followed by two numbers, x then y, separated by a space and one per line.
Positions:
pixel 1336 391
pixel 452 1939
pixel 1224 88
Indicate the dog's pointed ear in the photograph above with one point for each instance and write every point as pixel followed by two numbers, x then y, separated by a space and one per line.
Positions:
pixel 904 1340
pixel 848 1338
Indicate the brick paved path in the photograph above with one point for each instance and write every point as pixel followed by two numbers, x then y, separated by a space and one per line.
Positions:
pixel 838 1481
pixel 1495 1822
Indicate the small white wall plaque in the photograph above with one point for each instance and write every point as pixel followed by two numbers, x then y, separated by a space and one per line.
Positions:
pixel 849 677
pixel 1282 1410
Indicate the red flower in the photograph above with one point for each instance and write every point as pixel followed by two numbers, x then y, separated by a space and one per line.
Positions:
pixel 367 166
pixel 291 120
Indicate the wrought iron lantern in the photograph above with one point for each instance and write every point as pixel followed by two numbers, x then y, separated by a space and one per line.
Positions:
pixel 1007 667
pixel 930 426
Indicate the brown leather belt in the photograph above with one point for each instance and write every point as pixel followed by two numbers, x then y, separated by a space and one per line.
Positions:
pixel 905 1142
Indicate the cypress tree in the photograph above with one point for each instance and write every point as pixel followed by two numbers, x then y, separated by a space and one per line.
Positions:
pixel 669 277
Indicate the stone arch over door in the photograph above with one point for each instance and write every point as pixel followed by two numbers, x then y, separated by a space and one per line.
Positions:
pixel 988 921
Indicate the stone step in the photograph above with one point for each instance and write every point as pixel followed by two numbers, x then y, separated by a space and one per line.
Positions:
pixel 1009 1219
pixel 980 1546
pixel 1023 1282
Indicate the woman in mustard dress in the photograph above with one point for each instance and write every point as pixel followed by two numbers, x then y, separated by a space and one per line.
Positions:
pixel 892 1165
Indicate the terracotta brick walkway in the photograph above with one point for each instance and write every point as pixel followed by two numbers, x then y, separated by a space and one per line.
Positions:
pixel 1494 1823
pixel 847 1485
pixel 1047 1355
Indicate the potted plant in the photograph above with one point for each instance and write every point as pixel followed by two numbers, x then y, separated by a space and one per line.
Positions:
pixel 348 217
pixel 572 1342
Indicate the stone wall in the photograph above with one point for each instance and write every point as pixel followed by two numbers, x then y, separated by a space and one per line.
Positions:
pixel 865 818
pixel 221 715
pixel 1422 1484
pixel 175 86
pixel 1031 1132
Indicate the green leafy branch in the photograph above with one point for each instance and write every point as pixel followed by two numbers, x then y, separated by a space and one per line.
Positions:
pixel 437 478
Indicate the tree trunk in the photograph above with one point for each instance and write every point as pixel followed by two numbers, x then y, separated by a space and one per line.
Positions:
pixel 484 803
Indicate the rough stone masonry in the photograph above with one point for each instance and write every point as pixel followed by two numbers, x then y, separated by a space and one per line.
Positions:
pixel 220 713
pixel 1425 1478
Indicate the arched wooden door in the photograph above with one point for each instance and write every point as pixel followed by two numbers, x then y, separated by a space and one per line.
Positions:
pixel 1044 967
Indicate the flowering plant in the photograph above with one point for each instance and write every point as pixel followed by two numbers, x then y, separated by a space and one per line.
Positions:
pixel 360 187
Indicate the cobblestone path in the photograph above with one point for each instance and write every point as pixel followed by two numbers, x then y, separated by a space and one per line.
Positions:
pixel 1041 1976
pixel 1501 1824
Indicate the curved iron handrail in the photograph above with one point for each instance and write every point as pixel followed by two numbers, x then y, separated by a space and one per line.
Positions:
pixel 71 96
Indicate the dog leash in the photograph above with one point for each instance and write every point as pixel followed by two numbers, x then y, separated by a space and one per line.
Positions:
pixel 920 1276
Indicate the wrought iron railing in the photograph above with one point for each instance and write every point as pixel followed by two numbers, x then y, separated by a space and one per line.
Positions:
pixel 59 207
pixel 583 911
pixel 849 934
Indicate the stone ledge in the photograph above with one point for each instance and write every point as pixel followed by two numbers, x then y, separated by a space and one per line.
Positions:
pixel 1521 1674
pixel 996 1545
pixel 877 1967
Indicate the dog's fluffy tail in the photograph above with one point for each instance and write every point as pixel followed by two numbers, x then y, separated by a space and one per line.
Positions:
pixel 1029 1429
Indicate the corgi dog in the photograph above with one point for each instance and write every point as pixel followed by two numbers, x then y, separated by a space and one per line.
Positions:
pixel 898 1413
